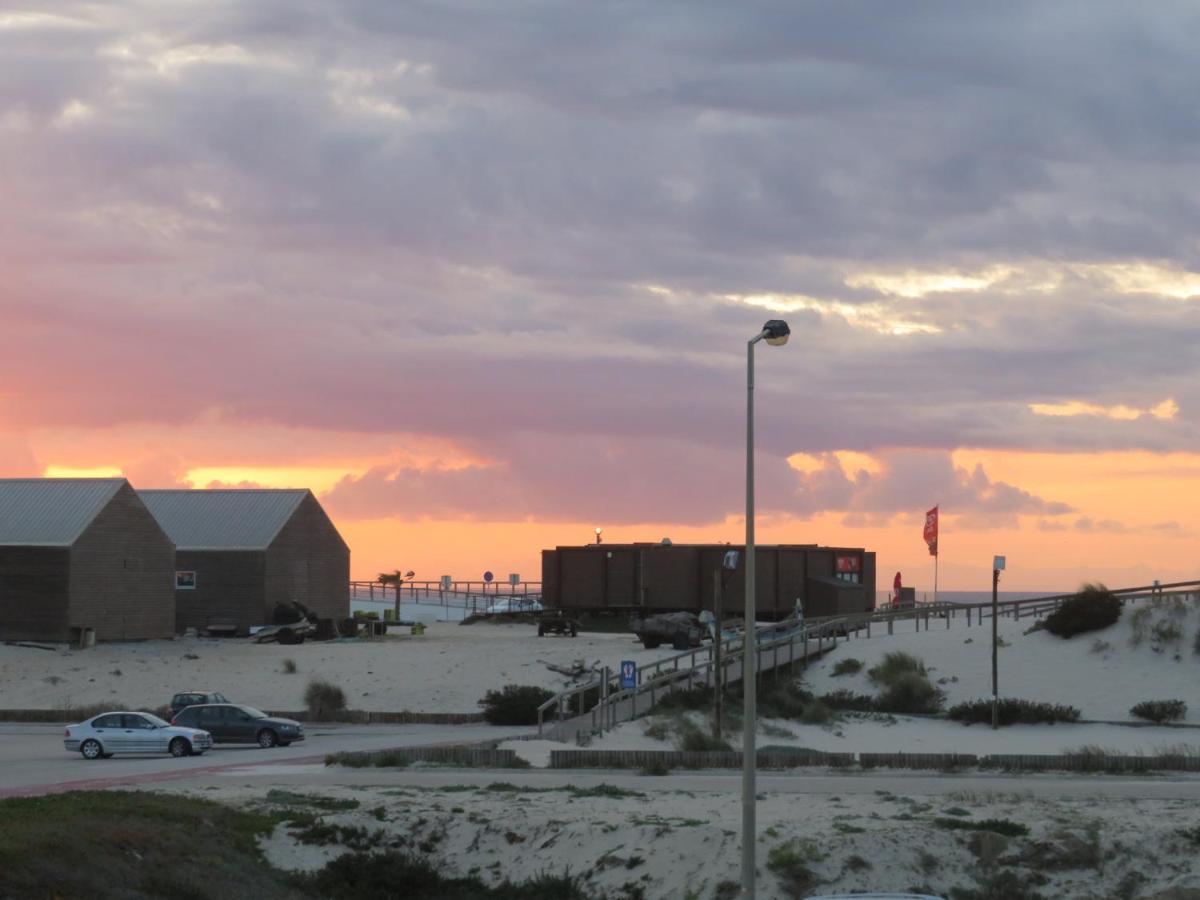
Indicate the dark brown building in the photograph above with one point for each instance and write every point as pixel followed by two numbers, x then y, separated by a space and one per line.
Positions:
pixel 666 577
pixel 82 553
pixel 241 552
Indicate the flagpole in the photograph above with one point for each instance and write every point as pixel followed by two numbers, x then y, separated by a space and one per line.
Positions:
pixel 937 556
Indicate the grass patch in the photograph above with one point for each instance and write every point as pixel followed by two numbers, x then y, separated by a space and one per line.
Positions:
pixel 691 739
pixel 133 843
pixel 313 801
pixel 658 767
pixel 1006 827
pixel 847 667
pixel 289 667
pixel 365 876
pixel 792 863
pixel 895 665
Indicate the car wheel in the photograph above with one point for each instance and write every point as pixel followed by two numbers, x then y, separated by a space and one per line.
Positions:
pixel 285 743
pixel 180 747
pixel 91 749
pixel 650 643
pixel 541 631
pixel 267 739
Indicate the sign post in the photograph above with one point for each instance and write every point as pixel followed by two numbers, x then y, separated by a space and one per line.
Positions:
pixel 998 563
pixel 628 674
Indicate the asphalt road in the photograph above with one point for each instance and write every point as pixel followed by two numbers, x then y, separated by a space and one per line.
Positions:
pixel 33 761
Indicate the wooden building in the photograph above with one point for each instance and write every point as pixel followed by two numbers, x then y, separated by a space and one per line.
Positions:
pixel 667 577
pixel 239 553
pixel 78 553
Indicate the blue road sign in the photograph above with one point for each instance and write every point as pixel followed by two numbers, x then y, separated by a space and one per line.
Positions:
pixel 628 674
pixel 488 576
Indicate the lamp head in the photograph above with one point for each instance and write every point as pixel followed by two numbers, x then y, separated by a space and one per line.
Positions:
pixel 776 332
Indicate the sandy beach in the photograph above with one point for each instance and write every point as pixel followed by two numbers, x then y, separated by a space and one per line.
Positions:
pixel 446 670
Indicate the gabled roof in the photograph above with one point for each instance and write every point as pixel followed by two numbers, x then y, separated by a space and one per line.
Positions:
pixel 222 519
pixel 51 512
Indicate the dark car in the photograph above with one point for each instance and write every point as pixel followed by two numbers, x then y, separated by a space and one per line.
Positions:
pixel 194 698
pixel 229 723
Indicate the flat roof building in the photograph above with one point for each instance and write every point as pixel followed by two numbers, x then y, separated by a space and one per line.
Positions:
pixel 82 553
pixel 239 553
pixel 666 577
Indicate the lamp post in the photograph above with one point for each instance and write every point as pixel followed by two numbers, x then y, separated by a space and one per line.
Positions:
pixel 998 563
pixel 599 531
pixel 775 333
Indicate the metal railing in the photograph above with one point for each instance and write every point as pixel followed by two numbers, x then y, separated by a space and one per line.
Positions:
pixel 613 706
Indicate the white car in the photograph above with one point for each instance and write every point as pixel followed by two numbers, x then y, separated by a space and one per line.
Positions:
pixel 133 732
pixel 514 605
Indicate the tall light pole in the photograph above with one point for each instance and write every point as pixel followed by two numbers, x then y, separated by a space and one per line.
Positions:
pixel 775 333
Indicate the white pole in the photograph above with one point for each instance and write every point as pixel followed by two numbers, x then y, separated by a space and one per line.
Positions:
pixel 749 647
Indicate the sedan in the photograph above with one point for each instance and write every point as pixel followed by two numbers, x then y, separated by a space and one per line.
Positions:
pixel 133 732
pixel 230 723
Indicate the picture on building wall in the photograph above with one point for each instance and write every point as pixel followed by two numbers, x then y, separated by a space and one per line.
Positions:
pixel 185 581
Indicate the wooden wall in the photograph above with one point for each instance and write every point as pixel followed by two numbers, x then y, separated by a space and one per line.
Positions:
pixel 122 574
pixel 230 587
pixel 33 593
pixel 308 561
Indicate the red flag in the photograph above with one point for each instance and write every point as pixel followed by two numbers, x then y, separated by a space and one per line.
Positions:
pixel 931 529
pixel 896 585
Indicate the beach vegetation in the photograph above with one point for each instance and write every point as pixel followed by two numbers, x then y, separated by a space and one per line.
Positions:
pixel 325 701
pixel 1011 711
pixel 1093 608
pixel 516 704
pixel 1159 710
pixel 792 863
pixel 910 692
pixel 849 666
pixel 1006 827
pixel 289 667
pixel 894 666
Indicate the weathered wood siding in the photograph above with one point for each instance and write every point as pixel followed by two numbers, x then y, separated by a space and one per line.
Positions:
pixel 308 561
pixel 230 587
pixel 33 593
pixel 122 573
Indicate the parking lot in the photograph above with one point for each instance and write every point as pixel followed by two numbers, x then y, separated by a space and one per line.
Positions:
pixel 33 761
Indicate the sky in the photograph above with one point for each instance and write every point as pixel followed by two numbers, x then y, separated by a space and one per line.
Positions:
pixel 482 275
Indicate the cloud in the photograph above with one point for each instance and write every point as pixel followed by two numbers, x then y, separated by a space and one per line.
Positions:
pixel 536 240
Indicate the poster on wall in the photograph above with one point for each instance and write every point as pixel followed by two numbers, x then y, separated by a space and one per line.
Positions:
pixel 185 581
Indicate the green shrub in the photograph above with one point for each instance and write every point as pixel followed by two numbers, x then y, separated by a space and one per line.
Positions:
pixel 847 667
pixel 289 667
pixel 657 767
pixel 691 739
pixel 910 692
pixel 324 701
pixel 848 700
pixel 816 713
pixel 1013 712
pixel 1005 827
pixel 792 861
pixel 895 665
pixel 1163 633
pixel 1159 710
pixel 783 701
pixel 1093 608
pixel 517 704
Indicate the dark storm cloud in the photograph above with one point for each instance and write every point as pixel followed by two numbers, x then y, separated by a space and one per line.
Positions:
pixel 492 222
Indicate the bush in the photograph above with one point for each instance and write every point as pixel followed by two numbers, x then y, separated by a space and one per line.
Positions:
pixel 1159 710
pixel 1013 712
pixel 289 666
pixel 691 739
pixel 847 667
pixel 517 704
pixel 1093 608
pixel 894 666
pixel 325 701
pixel 1006 827
pixel 910 692
pixel 848 700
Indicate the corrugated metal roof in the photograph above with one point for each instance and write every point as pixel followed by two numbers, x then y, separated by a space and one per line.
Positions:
pixel 51 512
pixel 242 519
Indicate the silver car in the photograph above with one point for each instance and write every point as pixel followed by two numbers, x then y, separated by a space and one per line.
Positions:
pixel 133 732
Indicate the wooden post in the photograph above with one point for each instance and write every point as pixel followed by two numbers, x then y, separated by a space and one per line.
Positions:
pixel 995 664
pixel 890 625
pixel 717 686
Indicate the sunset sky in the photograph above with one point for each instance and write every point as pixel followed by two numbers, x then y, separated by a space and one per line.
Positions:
pixel 482 275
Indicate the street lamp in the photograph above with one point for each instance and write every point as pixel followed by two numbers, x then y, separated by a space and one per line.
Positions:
pixel 775 333
pixel 599 531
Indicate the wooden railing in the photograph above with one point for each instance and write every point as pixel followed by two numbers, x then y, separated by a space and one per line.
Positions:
pixel 693 667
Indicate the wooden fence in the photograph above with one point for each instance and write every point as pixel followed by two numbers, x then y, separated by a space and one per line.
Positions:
pixel 940 762
pixel 466 757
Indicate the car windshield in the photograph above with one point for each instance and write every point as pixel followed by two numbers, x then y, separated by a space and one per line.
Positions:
pixel 253 713
pixel 154 720
pixel 219 698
